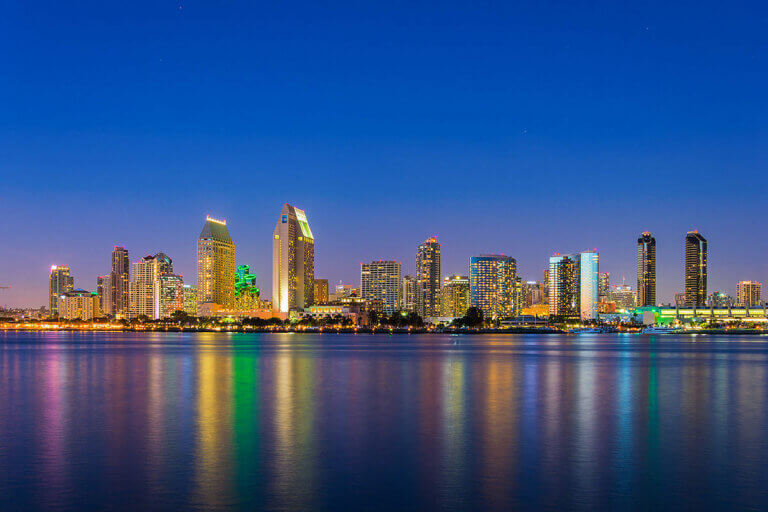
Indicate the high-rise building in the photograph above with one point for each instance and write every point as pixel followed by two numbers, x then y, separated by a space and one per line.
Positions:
pixel 695 269
pixel 646 270
pixel 59 283
pixel 573 285
pixel 428 279
pixel 293 261
pixel 169 295
pixel 590 269
pixel 532 294
pixel 215 267
pixel 749 294
pixel 493 285
pixel 247 294
pixel 680 299
pixel 623 296
pixel 455 296
pixel 120 282
pixel 78 304
pixel 190 299
pixel 321 291
pixel 104 289
pixel 144 291
pixel 409 294
pixel 603 286
pixel 380 285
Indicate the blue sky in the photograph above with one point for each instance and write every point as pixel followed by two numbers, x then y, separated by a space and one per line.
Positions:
pixel 525 129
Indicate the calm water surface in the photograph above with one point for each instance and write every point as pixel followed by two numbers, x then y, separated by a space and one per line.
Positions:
pixel 374 422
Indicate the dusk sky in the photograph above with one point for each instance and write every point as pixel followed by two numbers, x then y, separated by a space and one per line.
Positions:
pixel 523 129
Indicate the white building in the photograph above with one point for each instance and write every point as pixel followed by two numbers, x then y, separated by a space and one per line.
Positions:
pixel 293 261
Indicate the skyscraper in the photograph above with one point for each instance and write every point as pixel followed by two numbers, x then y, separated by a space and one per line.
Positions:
pixel 293 261
pixel 380 285
pixel 749 294
pixel 59 283
pixel 603 286
pixel 145 293
pixel 79 304
pixel 119 281
pixel 428 279
pixel 493 285
pixel 247 294
pixel 168 295
pixel 190 299
pixel 646 270
pixel 321 291
pixel 573 285
pixel 215 267
pixel 104 290
pixel 409 293
pixel 695 270
pixel 455 296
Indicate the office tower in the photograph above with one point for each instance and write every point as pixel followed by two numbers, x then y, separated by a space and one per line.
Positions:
pixel 293 261
pixel 428 279
pixel 695 269
pixel 720 300
pixel 749 294
pixel 409 293
pixel 321 291
pixel 545 284
pixel 588 285
pixel 646 270
pixel 190 299
pixel 169 295
pixel 144 292
pixel 624 296
pixel 493 285
pixel 215 267
pixel 120 282
pixel 603 286
pixel 247 294
pixel 59 283
pixel 455 296
pixel 78 304
pixel 104 289
pixel 380 285
pixel 573 285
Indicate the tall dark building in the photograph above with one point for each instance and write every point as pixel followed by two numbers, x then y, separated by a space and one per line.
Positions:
pixel 646 270
pixel 120 278
pixel 695 270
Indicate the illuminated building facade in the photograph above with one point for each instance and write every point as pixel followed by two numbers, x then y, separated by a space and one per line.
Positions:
pixel 144 291
pixel 720 300
pixel 532 294
pixel 455 296
pixel 104 289
pixel 78 304
pixel 321 291
pixel 695 269
pixel 169 295
pixel 573 285
pixel 215 267
pixel 293 261
pixel 409 294
pixel 646 270
pixel 60 282
pixel 380 285
pixel 603 286
pixel 749 294
pixel 120 283
pixel 623 296
pixel 190 299
pixel 493 285
pixel 247 294
pixel 428 279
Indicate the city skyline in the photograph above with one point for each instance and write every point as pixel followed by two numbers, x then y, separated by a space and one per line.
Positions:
pixel 730 288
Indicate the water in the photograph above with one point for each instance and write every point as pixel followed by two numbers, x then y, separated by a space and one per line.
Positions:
pixel 215 421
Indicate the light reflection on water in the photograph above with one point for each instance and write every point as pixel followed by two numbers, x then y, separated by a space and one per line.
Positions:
pixel 215 421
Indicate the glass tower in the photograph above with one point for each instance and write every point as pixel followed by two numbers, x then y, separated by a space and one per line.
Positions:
pixel 646 270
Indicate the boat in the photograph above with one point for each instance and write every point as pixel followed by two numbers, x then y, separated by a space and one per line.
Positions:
pixel 661 330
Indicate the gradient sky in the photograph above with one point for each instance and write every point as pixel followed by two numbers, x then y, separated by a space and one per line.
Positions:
pixel 525 129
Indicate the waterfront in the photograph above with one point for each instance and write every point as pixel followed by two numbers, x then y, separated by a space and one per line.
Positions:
pixel 217 421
